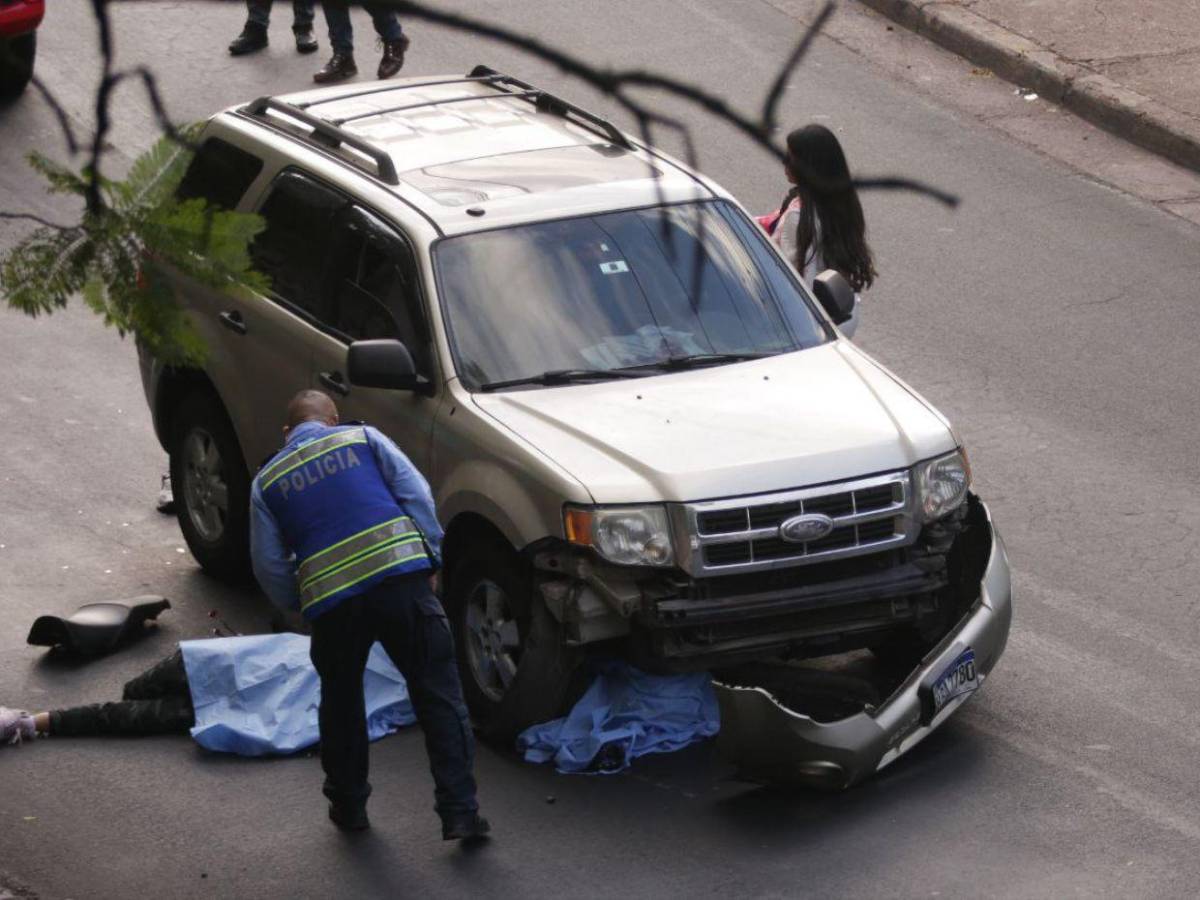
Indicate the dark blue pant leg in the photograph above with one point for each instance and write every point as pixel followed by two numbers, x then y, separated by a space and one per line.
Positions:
pixel 341 642
pixel 385 20
pixel 341 32
pixel 303 13
pixel 412 627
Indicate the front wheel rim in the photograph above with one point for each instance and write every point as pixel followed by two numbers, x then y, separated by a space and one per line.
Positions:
pixel 493 639
pixel 205 488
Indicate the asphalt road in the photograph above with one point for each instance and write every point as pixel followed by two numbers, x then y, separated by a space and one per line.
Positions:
pixel 1052 318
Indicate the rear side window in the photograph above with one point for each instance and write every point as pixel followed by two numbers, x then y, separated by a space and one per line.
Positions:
pixel 220 173
pixel 292 249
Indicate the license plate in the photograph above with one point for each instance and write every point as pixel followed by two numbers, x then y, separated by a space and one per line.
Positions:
pixel 955 680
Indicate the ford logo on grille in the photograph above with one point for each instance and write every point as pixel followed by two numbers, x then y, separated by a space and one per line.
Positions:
pixel 811 527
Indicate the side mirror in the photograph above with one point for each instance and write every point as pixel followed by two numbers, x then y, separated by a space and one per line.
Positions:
pixel 835 295
pixel 383 363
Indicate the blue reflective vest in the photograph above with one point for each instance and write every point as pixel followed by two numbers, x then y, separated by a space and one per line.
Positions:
pixel 336 512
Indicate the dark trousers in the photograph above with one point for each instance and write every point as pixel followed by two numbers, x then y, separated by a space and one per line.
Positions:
pixel 341 32
pixel 259 12
pixel 156 702
pixel 405 616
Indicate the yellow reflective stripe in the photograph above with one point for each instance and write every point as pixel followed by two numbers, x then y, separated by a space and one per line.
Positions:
pixel 401 525
pixel 308 452
pixel 369 550
pixel 352 575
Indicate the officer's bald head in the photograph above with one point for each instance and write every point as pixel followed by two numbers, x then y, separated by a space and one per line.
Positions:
pixel 311 406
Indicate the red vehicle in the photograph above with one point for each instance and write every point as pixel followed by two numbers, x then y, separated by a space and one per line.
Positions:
pixel 19 20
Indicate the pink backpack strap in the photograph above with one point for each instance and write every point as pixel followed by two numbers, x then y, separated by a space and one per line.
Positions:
pixel 769 222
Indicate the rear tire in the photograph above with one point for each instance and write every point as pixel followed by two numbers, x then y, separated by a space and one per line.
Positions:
pixel 16 63
pixel 212 487
pixel 515 667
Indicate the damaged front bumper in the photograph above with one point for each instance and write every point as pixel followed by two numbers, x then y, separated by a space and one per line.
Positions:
pixel 770 742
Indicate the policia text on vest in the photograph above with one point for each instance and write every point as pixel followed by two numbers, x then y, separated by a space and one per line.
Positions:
pixel 335 510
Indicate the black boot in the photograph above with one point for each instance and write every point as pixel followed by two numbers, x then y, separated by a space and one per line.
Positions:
pixel 471 827
pixel 339 67
pixel 349 818
pixel 306 41
pixel 393 57
pixel 253 37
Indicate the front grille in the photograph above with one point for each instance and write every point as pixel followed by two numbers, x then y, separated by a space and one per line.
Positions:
pixel 743 535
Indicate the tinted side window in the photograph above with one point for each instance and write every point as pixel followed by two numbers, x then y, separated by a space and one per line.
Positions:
pixel 220 173
pixel 375 291
pixel 292 249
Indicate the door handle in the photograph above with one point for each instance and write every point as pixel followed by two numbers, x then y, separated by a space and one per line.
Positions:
pixel 233 320
pixel 333 381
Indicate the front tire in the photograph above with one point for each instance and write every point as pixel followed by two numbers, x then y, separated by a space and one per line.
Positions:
pixel 516 669
pixel 212 488
pixel 16 63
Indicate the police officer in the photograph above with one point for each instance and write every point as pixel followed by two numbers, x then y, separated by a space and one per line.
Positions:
pixel 343 528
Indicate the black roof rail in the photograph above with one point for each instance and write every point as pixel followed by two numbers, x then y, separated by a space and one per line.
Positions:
pixel 329 134
pixel 551 103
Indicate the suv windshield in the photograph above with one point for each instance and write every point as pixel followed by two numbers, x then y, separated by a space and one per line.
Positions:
pixel 643 288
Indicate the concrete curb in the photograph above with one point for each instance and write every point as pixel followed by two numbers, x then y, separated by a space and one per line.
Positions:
pixel 1135 117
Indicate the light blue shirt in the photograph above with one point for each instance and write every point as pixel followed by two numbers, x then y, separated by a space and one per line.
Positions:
pixel 275 563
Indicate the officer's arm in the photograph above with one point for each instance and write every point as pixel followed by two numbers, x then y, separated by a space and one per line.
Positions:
pixel 410 489
pixel 274 565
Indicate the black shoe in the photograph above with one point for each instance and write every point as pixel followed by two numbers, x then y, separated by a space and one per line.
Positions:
pixel 349 818
pixel 253 37
pixel 306 41
pixel 339 67
pixel 468 828
pixel 393 57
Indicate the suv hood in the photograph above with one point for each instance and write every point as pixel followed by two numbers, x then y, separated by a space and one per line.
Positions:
pixel 810 417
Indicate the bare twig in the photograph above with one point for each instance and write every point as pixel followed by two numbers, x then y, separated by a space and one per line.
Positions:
pixel 30 217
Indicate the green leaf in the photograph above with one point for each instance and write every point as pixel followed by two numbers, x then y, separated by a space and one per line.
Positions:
pixel 101 259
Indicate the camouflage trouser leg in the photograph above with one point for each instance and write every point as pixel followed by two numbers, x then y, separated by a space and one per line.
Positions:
pixel 156 702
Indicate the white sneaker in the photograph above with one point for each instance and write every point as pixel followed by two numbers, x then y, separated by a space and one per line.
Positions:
pixel 16 725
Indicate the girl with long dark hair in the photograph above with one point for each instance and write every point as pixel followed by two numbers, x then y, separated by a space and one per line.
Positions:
pixel 820 223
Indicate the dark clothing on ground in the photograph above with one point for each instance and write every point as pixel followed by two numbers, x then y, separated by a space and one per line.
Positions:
pixel 156 702
pixel 341 31
pixel 405 616
pixel 259 12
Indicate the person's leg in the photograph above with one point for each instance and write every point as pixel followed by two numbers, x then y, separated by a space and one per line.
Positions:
pixel 259 12
pixel 303 13
pixel 341 37
pixel 168 715
pixel 395 43
pixel 254 34
pixel 341 643
pixel 385 20
pixel 413 629
pixel 166 678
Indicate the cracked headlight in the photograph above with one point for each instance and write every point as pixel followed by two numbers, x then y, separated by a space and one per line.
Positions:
pixel 941 484
pixel 627 535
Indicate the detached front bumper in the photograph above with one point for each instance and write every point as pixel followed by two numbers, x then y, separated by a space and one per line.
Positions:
pixel 768 741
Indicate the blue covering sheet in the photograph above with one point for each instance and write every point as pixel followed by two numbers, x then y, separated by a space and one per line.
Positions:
pixel 625 714
pixel 258 695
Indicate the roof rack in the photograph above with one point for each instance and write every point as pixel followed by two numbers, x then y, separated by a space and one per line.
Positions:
pixel 338 98
pixel 328 134
pixel 550 103
pixel 465 98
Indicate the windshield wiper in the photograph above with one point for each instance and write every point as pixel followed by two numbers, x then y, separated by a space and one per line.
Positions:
pixel 695 360
pixel 562 376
